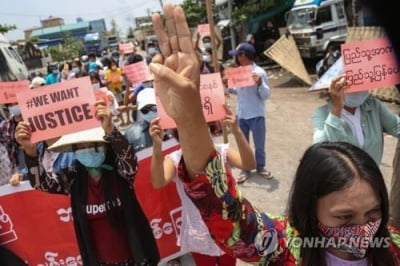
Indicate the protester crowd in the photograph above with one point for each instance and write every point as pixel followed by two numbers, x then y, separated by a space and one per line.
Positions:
pixel 338 195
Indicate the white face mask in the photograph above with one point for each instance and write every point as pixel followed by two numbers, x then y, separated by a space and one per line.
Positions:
pixel 355 99
pixel 96 85
pixel 206 58
pixel 75 70
pixel 207 45
pixel 14 110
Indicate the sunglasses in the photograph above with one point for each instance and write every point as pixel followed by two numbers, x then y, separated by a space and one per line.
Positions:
pixel 149 108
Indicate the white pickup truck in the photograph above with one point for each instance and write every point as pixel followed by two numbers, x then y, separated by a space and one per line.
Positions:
pixel 317 24
pixel 11 65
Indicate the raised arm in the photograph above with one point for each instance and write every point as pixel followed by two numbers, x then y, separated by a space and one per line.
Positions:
pixel 244 157
pixel 126 158
pixel 59 182
pixel 177 80
pixel 162 170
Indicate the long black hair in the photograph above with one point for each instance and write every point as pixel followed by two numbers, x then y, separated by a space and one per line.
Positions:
pixel 325 168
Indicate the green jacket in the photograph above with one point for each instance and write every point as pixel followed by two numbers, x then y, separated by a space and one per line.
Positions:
pixel 376 119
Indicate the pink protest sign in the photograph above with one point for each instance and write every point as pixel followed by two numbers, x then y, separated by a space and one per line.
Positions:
pixel 59 109
pixel 240 77
pixel 126 48
pixel 370 64
pixel 203 29
pixel 102 94
pixel 212 99
pixel 8 90
pixel 138 72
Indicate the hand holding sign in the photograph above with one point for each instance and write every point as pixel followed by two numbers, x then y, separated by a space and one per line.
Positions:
pixel 336 93
pixel 103 113
pixel 23 138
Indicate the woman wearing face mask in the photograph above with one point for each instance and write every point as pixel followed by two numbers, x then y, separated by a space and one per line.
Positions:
pixel 53 75
pixel 355 118
pixel 12 164
pixel 110 226
pixel 338 200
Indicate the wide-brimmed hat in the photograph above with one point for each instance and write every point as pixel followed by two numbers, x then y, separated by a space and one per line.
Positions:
pixel 145 97
pixel 64 144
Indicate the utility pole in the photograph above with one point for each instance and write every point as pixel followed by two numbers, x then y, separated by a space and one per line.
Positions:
pixel 215 51
pixel 231 31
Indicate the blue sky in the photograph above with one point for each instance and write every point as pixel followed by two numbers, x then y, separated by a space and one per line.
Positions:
pixel 28 13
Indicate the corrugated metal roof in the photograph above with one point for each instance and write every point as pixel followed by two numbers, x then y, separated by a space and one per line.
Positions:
pixel 56 29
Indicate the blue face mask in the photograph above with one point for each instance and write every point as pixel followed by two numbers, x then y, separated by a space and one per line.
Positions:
pixel 152 51
pixel 55 72
pixel 355 99
pixel 151 115
pixel 90 157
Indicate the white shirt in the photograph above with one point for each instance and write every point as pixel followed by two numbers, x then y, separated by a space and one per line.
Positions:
pixel 354 122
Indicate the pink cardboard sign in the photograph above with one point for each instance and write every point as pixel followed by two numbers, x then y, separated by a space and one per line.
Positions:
pixel 240 77
pixel 370 64
pixel 101 94
pixel 59 109
pixel 126 48
pixel 138 72
pixel 8 90
pixel 203 29
pixel 212 99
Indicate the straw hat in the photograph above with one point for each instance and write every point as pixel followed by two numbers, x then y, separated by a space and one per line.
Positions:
pixel 64 144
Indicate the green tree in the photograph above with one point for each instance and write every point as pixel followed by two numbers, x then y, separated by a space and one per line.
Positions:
pixel 130 32
pixel 114 28
pixel 6 28
pixel 34 39
pixel 195 11
pixel 69 49
pixel 245 11
pixel 56 53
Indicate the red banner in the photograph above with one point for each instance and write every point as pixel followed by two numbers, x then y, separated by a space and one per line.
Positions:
pixel 161 206
pixel 37 226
